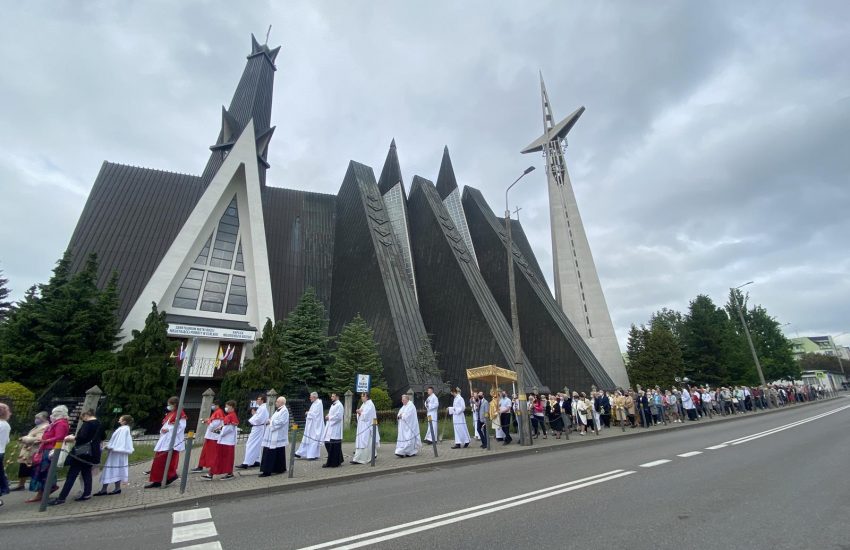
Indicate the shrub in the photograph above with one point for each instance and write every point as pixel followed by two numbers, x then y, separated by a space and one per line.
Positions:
pixel 381 399
pixel 17 393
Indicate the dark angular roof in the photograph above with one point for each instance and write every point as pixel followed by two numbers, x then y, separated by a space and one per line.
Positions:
pixel 130 219
pixel 521 241
pixel 446 181
pixel 300 242
pixel 468 327
pixel 251 100
pixel 391 173
pixel 559 353
pixel 369 279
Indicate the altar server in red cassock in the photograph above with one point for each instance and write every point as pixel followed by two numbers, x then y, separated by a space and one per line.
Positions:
pixel 225 451
pixel 214 422
pixel 169 424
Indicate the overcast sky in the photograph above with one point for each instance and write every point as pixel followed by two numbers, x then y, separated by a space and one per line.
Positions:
pixel 715 148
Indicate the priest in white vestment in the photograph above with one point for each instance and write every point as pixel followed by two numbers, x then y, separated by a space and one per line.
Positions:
pixel 254 446
pixel 275 440
pixel 117 467
pixel 432 409
pixel 366 414
pixel 408 442
pixel 333 433
pixel 314 429
pixel 457 410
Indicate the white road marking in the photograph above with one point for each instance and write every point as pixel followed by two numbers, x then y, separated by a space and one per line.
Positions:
pixel 468 516
pixel 488 506
pixel 214 545
pixel 715 447
pixel 654 463
pixel 690 454
pixel 186 516
pixel 772 431
pixel 194 531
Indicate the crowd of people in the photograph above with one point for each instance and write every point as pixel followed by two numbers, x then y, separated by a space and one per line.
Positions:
pixel 495 418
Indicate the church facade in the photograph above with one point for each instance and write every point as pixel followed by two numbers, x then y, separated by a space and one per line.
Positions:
pixel 223 251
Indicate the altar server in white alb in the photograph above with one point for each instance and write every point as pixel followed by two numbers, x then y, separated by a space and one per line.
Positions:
pixel 254 446
pixel 408 442
pixel 314 429
pixel 457 411
pixel 432 409
pixel 333 433
pixel 275 441
pixel 117 467
pixel 366 414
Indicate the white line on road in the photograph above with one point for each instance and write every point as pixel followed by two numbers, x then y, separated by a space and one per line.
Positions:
pixel 690 454
pixel 466 516
pixel 654 463
pixel 185 516
pixel 772 431
pixel 715 447
pixel 195 531
pixel 457 512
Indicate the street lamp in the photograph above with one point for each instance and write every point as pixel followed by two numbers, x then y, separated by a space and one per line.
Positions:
pixel 747 331
pixel 835 351
pixel 523 423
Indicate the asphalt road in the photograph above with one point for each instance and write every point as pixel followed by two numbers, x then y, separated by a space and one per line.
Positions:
pixel 785 488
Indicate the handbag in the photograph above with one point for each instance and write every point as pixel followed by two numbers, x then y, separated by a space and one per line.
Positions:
pixel 81 449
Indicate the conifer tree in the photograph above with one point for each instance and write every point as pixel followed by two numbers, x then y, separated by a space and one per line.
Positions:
pixel 356 352
pixel 145 375
pixel 5 304
pixel 305 340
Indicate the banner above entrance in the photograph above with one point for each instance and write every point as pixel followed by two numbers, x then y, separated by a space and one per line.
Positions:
pixel 213 333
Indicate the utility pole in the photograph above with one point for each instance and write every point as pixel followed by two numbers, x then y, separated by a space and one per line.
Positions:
pixel 747 331
pixel 523 422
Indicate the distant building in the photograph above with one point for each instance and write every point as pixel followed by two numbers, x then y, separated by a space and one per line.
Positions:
pixel 823 345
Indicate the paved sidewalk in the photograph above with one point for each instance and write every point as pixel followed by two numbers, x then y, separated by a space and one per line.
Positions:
pixel 307 473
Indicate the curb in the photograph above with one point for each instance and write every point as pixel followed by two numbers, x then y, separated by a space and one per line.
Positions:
pixel 180 502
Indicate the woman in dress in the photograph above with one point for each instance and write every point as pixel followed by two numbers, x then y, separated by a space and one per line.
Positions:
pixel 581 414
pixel 55 433
pixel 556 422
pixel 29 446
pixel 117 467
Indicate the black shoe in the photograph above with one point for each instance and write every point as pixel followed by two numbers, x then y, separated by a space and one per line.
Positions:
pixel 228 476
pixel 465 445
pixel 115 492
pixel 198 469
pixel 82 498
pixel 101 493
pixel 242 467
pixel 147 473
pixel 297 455
pixel 325 466
pixel 255 465
pixel 456 447
pixel 506 443
pixel 483 446
pixel 56 501
pixel 264 475
pixel 400 456
pixel 172 480
pixel 153 485
pixel 207 476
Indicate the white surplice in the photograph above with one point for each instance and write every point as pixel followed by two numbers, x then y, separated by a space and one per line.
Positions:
pixel 408 442
pixel 164 440
pixel 363 443
pixel 277 430
pixel 254 446
pixel 314 427
pixel 432 407
pixel 459 420
pixel 333 428
pixel 117 467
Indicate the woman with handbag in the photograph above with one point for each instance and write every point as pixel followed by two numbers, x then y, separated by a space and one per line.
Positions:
pixel 28 447
pixel 55 433
pixel 84 455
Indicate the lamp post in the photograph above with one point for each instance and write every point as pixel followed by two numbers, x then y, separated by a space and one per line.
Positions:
pixel 838 355
pixel 524 428
pixel 747 332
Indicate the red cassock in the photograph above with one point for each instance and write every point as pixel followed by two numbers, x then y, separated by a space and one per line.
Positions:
pixel 158 466
pixel 210 448
pixel 226 451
